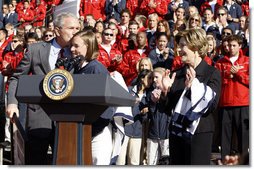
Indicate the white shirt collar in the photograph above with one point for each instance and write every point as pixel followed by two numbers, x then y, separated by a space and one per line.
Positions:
pixel 55 47
pixel 157 51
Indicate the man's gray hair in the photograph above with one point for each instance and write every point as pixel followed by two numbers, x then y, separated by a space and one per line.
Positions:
pixel 59 20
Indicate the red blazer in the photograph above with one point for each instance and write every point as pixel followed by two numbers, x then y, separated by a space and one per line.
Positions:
pixel 28 16
pixel 246 8
pixel 53 2
pixel 133 6
pixel 106 59
pixel 39 14
pixel 234 89
pixel 94 7
pixel 161 8
pixel 13 58
pixel 129 65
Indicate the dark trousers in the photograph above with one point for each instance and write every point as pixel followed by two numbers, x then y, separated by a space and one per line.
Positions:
pixel 234 118
pixel 194 151
pixel 36 147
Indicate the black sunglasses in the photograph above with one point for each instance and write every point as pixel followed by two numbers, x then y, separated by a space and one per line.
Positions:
pixel 226 33
pixel 48 35
pixel 221 14
pixel 107 34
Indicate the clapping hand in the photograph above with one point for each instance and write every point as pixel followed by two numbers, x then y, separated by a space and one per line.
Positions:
pixel 167 81
pixel 156 94
pixel 190 75
pixel 118 58
pixel 235 68
pixel 165 53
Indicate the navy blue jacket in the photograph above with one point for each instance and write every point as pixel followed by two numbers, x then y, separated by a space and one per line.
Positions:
pixel 95 67
pixel 13 19
pixel 159 61
pixel 134 130
pixel 236 12
pixel 114 11
pixel 158 120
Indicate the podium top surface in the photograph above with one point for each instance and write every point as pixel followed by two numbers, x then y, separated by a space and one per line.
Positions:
pixel 88 88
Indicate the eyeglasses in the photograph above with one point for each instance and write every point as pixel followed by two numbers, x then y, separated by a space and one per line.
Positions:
pixel 221 14
pixel 193 19
pixel 14 41
pixel 226 33
pixel 107 34
pixel 48 35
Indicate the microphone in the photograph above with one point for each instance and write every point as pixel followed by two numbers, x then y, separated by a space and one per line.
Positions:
pixel 61 63
pixel 73 62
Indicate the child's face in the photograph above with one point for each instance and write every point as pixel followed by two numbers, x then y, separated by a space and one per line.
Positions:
pixel 210 46
pixel 144 65
pixel 157 78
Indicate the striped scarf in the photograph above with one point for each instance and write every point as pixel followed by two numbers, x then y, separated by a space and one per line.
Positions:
pixel 193 103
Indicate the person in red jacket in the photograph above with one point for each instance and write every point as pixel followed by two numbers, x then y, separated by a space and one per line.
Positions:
pixel 132 57
pixel 234 99
pixel 94 7
pixel 133 6
pixel 109 56
pixel 26 15
pixel 14 56
pixel 39 14
pixel 154 6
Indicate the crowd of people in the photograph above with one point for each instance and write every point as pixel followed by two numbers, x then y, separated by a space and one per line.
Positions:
pixel 185 61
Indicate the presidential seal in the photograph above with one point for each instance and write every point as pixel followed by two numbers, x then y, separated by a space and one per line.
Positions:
pixel 58 84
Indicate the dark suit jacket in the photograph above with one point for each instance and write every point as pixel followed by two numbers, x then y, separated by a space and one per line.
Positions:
pixel 35 61
pixel 13 19
pixel 206 74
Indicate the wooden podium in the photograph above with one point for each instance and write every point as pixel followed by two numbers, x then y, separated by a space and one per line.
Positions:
pixel 91 96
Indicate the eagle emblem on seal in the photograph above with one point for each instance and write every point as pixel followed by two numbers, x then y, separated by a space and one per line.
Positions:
pixel 57 84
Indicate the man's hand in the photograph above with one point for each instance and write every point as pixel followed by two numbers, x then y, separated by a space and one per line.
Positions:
pixel 118 58
pixel 165 53
pixel 235 68
pixel 144 111
pixel 152 4
pixel 11 109
pixel 229 160
pixel 7 68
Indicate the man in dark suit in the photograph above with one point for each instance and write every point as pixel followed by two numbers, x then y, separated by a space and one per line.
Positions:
pixel 11 17
pixel 39 59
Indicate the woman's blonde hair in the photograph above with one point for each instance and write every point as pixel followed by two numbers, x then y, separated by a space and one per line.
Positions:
pixel 211 38
pixel 141 61
pixel 160 70
pixel 90 40
pixel 196 41
pixel 193 16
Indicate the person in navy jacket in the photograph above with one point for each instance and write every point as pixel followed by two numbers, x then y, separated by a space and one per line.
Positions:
pixel 11 17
